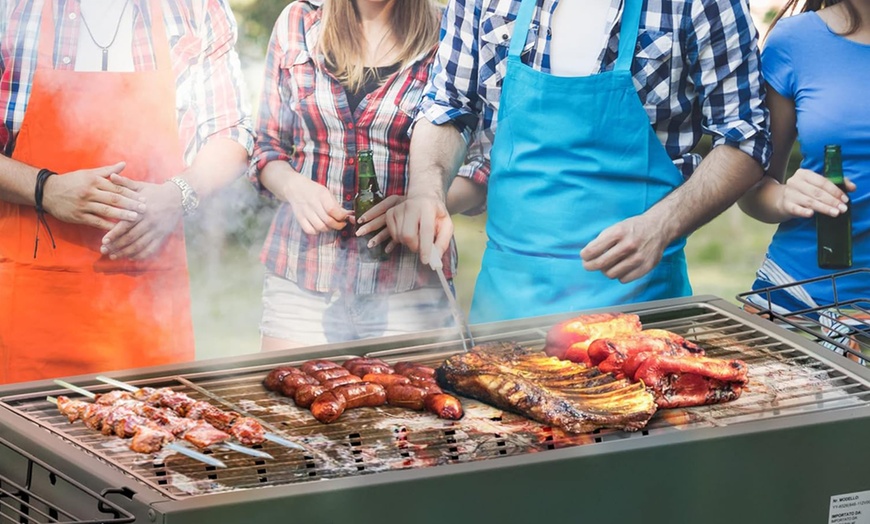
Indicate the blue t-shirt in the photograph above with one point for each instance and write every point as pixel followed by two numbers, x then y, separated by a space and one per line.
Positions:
pixel 828 78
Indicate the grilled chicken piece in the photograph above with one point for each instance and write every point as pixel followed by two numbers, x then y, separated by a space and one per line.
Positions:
pixel 569 340
pixel 552 391
pixel 692 381
pixel 610 354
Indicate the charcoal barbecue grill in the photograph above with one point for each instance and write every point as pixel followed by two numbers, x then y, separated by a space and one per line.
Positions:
pixel 787 451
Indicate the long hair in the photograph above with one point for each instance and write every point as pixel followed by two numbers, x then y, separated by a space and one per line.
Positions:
pixel 413 23
pixel 814 5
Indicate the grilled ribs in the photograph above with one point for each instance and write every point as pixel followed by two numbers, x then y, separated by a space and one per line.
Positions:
pixel 551 391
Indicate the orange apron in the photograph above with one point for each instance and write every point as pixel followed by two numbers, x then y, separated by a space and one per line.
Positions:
pixel 71 310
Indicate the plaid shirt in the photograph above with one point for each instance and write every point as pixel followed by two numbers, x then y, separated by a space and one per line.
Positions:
pixel 209 92
pixel 696 70
pixel 305 120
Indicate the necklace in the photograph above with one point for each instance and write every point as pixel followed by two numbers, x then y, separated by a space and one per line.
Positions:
pixel 105 48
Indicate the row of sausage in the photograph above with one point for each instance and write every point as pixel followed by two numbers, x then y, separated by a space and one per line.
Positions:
pixel 328 388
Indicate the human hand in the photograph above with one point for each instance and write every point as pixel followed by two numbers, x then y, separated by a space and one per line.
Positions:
pixel 316 210
pixel 88 197
pixel 419 222
pixel 807 192
pixel 375 220
pixel 626 250
pixel 143 239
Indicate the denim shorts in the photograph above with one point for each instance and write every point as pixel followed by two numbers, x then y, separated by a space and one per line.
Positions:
pixel 310 318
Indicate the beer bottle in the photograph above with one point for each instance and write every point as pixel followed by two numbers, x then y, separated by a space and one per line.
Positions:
pixel 835 233
pixel 368 194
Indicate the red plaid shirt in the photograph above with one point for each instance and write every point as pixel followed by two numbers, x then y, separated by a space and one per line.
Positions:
pixel 305 120
pixel 202 33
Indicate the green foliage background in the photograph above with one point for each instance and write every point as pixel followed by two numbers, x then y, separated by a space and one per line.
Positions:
pixel 225 238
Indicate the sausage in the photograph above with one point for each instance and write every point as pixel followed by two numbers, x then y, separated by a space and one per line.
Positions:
pixel 292 382
pixel 430 386
pixel 403 368
pixel 406 396
pixel 386 379
pixel 340 381
pixel 420 373
pixel 328 407
pixel 327 374
pixel 307 393
pixel 445 406
pixel 272 382
pixel 361 394
pixel 363 369
pixel 352 364
pixel 318 365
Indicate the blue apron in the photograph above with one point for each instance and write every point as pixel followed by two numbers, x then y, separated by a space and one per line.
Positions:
pixel 572 156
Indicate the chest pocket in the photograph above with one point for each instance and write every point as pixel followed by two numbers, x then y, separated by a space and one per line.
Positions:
pixel 495 37
pixel 652 66
pixel 297 79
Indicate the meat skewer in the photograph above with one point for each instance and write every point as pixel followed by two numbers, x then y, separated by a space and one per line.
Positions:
pixel 198 432
pixel 245 429
pixel 164 441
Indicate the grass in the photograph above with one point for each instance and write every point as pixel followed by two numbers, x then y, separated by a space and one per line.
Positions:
pixel 226 275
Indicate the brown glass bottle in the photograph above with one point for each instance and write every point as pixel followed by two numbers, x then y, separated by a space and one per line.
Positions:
pixel 835 233
pixel 368 194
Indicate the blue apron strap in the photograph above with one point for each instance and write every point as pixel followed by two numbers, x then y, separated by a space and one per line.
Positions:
pixel 521 27
pixel 628 34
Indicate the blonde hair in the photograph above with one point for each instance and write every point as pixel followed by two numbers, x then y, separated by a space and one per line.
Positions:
pixel 413 23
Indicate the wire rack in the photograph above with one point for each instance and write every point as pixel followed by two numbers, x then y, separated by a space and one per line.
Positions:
pixel 842 324
pixel 31 492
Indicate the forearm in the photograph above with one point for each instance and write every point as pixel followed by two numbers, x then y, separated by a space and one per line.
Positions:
pixel 721 178
pixel 217 164
pixel 436 153
pixel 760 202
pixel 276 176
pixel 464 195
pixel 17 181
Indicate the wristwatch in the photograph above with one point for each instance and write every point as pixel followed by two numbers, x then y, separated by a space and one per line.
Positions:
pixel 189 198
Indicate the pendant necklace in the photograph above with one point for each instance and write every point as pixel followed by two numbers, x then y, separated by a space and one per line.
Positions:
pixel 105 49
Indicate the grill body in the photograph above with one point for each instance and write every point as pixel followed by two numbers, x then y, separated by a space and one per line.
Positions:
pixel 778 454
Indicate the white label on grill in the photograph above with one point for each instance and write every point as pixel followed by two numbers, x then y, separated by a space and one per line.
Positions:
pixel 851 508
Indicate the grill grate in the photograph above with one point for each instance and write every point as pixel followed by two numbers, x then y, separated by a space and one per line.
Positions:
pixel 842 325
pixel 31 496
pixel 785 380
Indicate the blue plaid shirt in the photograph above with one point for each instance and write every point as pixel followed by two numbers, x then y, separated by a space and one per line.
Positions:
pixel 696 70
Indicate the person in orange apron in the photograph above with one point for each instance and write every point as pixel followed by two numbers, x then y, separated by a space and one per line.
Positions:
pixel 81 300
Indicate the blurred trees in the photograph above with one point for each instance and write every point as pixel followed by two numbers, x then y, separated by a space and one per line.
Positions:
pixel 256 18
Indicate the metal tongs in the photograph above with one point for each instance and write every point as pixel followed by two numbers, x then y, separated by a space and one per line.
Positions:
pixel 458 316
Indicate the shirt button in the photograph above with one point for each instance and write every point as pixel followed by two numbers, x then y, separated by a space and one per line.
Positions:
pixel 504 36
pixel 348 198
pixel 350 161
pixel 350 126
pixel 72 16
pixel 345 233
pixel 66 60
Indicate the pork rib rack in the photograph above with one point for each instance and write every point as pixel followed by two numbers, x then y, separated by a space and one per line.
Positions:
pixel 559 393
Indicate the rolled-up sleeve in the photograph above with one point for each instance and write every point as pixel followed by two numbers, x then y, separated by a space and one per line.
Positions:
pixel 723 54
pixel 451 94
pixel 275 120
pixel 222 103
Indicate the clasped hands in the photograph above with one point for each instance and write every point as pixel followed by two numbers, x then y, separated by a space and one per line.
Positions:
pixel 137 216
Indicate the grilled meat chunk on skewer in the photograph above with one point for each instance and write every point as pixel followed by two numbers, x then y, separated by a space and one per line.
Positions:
pixel 610 354
pixel 533 385
pixel 148 427
pixel 244 429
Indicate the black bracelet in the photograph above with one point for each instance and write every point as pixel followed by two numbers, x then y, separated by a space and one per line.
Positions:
pixel 38 193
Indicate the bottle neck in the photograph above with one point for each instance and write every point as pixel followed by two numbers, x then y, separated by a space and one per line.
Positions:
pixel 834 165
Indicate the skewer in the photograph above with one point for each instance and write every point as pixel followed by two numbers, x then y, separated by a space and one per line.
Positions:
pixel 268 436
pixel 174 446
pixel 229 445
